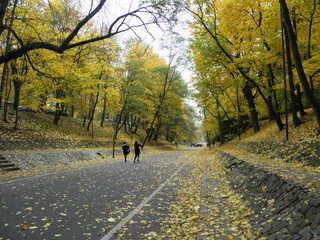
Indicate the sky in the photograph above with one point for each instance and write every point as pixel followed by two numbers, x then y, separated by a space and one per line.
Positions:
pixel 115 8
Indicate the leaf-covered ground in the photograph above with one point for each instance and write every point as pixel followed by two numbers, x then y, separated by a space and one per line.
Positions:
pixel 36 130
pixel 302 146
pixel 216 212
pixel 207 207
pixel 269 131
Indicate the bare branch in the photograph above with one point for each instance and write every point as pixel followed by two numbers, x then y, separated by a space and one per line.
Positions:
pixel 81 24
pixel 119 25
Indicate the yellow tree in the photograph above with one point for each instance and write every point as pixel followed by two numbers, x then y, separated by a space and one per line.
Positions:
pixel 298 61
pixel 230 30
pixel 138 82
pixel 74 36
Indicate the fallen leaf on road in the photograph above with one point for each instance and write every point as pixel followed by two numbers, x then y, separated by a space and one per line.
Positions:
pixel 111 219
pixel 25 226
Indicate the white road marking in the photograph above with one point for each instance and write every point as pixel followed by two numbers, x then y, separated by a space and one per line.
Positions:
pixel 125 220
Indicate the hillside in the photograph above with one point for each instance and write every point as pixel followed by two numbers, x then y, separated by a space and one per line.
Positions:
pixel 270 132
pixel 37 131
pixel 303 146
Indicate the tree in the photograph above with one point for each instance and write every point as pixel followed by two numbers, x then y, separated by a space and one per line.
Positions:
pixel 168 76
pixel 229 44
pixel 75 36
pixel 136 86
pixel 298 63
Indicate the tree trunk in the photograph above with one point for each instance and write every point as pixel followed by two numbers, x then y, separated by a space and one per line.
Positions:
pixel 72 111
pixel 298 64
pixel 273 93
pixel 3 7
pixel 240 120
pixel 118 125
pixel 93 110
pixel 57 115
pixel 309 39
pixel 151 133
pixel 252 107
pixel 17 89
pixel 84 121
pixel 296 120
pixel 269 105
pixel 220 125
pixel 113 145
pixel 136 126
pixel 271 117
pixel 227 115
pixel 58 108
pixel 151 125
pixel 299 100
pixel 5 110
pixel 103 117
pixel 3 80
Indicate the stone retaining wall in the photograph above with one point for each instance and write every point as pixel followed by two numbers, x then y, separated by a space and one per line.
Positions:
pixel 282 209
pixel 8 145
pixel 27 160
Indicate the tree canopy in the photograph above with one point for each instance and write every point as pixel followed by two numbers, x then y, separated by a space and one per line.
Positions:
pixel 253 60
pixel 240 61
pixel 99 78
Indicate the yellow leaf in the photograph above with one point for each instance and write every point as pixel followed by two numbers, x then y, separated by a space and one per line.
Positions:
pixel 111 219
pixel 25 226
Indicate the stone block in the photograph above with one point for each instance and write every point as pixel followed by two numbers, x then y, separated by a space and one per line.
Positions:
pixel 295 237
pixel 311 213
pixel 316 231
pixel 305 231
pixel 267 228
pixel 305 208
pixel 315 201
pixel 307 236
pixel 316 221
pixel 277 226
pixel 295 227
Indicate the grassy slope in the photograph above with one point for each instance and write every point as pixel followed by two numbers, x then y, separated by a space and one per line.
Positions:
pixel 302 148
pixel 40 126
pixel 270 132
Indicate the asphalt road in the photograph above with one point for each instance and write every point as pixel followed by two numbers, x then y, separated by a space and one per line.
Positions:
pixel 112 200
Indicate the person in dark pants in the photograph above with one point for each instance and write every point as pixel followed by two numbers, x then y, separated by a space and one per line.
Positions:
pixel 136 151
pixel 126 150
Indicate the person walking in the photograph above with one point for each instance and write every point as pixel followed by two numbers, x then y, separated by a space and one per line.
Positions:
pixel 126 150
pixel 136 151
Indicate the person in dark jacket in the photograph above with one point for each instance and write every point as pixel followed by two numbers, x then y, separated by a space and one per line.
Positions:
pixel 136 151
pixel 126 150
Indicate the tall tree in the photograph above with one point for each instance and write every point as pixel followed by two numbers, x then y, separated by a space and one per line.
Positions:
pixel 298 63
pixel 168 76
pixel 231 48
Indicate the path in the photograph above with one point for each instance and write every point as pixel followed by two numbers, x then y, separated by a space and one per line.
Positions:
pixel 88 202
